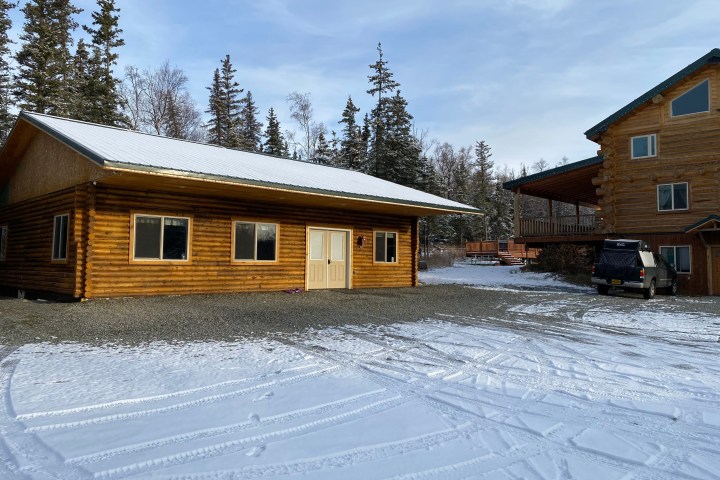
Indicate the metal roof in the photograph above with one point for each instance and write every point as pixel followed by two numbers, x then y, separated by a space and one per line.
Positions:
pixel 553 171
pixel 712 57
pixel 115 147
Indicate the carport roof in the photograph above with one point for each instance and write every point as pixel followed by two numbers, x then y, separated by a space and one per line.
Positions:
pixel 567 183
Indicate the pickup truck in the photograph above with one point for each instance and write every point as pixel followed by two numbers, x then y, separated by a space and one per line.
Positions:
pixel 631 266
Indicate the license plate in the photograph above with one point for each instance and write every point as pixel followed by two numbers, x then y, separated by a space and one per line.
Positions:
pixel 616 282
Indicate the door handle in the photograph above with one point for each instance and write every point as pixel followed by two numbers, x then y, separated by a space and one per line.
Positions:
pixel 328 261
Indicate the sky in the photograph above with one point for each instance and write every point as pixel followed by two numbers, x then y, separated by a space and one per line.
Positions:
pixel 526 76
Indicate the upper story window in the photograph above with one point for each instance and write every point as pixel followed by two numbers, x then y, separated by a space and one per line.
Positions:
pixel 254 242
pixel 3 242
pixel 695 100
pixel 60 237
pixel 386 247
pixel 672 196
pixel 643 146
pixel 161 238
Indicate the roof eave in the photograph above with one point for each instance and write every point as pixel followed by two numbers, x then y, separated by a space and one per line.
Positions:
pixel 440 209
pixel 697 225
pixel 713 56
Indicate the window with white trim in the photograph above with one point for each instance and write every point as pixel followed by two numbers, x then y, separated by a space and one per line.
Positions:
pixel 695 100
pixel 254 241
pixel 643 146
pixel 386 247
pixel 672 196
pixel 3 242
pixel 159 237
pixel 60 237
pixel 678 256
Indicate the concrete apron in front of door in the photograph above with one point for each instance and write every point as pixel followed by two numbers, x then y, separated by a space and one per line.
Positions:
pixel 328 258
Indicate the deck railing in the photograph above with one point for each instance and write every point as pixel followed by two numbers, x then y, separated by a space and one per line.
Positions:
pixel 558 226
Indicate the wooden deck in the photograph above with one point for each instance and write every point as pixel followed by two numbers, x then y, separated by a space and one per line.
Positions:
pixel 495 247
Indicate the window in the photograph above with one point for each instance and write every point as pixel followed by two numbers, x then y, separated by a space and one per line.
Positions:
pixel 695 100
pixel 386 247
pixel 161 238
pixel 60 237
pixel 254 242
pixel 3 242
pixel 678 256
pixel 643 147
pixel 672 196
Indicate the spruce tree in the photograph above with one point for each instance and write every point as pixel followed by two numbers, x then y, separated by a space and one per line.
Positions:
pixel 84 85
pixel 502 211
pixel 322 150
pixel 401 150
pixel 352 150
pixel 225 106
pixel 250 129
pixel 105 38
pixel 45 67
pixel 274 142
pixel 483 186
pixel 216 122
pixel 365 136
pixel 231 103
pixel 6 101
pixel 335 150
pixel 382 84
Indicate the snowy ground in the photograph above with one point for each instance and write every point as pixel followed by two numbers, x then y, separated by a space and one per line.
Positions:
pixel 556 383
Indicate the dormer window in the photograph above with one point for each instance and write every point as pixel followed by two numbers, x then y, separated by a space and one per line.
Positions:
pixel 695 100
pixel 643 146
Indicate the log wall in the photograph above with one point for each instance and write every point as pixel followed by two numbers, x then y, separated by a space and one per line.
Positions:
pixel 109 271
pixel 28 264
pixel 688 150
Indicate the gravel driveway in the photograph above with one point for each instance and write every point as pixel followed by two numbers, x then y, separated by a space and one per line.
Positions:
pixel 230 316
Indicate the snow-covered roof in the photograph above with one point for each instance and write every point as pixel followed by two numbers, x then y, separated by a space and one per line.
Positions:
pixel 120 148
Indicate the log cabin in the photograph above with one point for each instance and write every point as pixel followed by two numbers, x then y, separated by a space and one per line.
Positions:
pixel 95 211
pixel 656 178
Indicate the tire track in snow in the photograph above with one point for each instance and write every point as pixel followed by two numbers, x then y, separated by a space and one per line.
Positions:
pixel 515 406
pixel 654 424
pixel 333 461
pixel 240 444
pixel 28 456
pixel 151 398
pixel 227 429
pixel 183 405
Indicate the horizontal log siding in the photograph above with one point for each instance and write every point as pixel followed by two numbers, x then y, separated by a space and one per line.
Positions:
pixel 110 273
pixel 688 150
pixel 28 264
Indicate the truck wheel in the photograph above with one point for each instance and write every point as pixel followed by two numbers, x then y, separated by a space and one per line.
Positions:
pixel 649 292
pixel 603 289
pixel 673 288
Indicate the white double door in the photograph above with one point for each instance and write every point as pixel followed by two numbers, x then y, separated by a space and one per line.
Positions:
pixel 327 261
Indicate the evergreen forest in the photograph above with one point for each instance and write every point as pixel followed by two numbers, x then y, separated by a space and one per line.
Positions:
pixel 59 67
